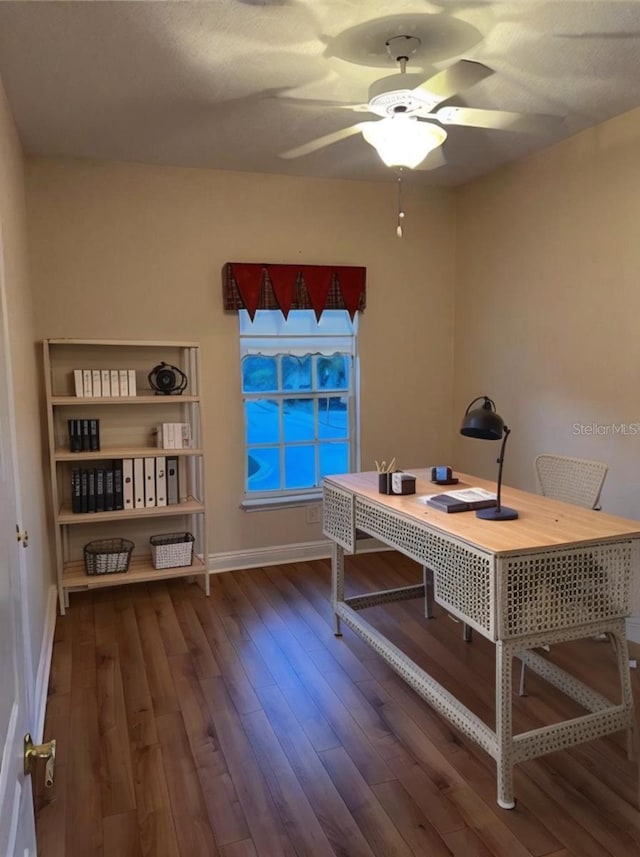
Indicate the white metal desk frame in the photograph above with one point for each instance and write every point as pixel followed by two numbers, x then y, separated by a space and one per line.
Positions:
pixel 580 589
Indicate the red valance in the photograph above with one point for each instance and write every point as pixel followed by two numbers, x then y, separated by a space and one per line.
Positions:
pixel 253 286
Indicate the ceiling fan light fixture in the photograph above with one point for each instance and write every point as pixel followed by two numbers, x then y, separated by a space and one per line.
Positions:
pixel 403 141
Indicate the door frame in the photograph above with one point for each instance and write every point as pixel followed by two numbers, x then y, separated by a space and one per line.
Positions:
pixel 18 840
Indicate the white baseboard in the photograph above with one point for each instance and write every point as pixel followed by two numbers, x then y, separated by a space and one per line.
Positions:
pixel 302 552
pixel 44 667
pixel 633 629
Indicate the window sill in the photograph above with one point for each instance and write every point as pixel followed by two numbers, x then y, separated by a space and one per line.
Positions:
pixel 265 504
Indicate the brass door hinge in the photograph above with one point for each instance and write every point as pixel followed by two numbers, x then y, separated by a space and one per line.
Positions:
pixel 22 536
pixel 40 751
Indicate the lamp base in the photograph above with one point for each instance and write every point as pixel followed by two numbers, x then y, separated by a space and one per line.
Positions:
pixel 493 514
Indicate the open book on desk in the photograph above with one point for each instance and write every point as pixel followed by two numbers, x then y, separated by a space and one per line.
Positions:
pixel 464 500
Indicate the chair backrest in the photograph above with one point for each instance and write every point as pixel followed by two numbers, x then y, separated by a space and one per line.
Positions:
pixel 573 480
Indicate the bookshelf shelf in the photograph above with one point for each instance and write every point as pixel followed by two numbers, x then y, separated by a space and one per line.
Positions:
pixel 101 401
pixel 67 517
pixel 139 571
pixel 114 491
pixel 61 454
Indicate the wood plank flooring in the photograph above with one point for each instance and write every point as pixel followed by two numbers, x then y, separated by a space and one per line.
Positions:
pixel 239 726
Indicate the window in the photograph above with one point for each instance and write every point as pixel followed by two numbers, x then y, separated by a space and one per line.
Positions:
pixel 299 381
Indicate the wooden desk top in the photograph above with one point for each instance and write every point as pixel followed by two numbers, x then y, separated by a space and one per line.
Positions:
pixel 542 522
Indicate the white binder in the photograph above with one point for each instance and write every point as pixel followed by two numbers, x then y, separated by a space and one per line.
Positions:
pixel 105 380
pixel 96 382
pixel 78 383
pixel 161 480
pixel 149 481
pixel 115 382
pixel 124 382
pixel 138 483
pixel 127 482
pixel 87 382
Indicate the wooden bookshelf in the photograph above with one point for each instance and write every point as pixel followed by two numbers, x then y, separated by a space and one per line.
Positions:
pixel 127 432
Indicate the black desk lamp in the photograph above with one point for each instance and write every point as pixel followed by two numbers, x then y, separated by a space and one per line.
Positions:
pixel 486 424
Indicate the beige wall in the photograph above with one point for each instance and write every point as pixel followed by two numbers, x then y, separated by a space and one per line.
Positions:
pixel 126 251
pixel 25 380
pixel 548 308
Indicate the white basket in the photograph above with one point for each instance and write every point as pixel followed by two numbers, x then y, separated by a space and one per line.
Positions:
pixel 172 550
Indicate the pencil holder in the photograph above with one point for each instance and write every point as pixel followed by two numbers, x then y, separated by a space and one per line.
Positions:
pixel 384 483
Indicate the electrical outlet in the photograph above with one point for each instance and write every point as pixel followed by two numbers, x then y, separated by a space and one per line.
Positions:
pixel 313 514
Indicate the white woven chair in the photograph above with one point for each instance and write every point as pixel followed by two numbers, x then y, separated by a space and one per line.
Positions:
pixel 573 480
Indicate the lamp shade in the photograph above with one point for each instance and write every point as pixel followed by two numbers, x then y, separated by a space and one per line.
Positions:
pixel 482 422
pixel 403 141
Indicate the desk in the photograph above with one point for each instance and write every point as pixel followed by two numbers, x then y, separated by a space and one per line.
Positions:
pixel 557 573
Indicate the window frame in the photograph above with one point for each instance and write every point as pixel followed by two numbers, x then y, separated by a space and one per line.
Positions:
pixel 274 336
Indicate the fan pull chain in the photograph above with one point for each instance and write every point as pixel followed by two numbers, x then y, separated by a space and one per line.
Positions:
pixel 400 209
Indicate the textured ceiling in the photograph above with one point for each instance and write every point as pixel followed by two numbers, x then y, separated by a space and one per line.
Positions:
pixel 205 84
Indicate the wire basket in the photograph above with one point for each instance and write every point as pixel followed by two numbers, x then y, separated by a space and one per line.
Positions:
pixel 172 550
pixel 107 556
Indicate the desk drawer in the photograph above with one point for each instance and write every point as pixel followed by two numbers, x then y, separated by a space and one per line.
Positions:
pixel 463 576
pixel 565 588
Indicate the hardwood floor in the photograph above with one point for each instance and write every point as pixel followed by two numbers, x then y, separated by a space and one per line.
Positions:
pixel 239 726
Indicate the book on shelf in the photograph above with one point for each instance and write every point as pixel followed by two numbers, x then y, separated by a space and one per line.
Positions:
pixel 94 435
pixel 76 490
pixel 85 436
pixel 108 504
pixel 118 485
pixel 75 435
pixel 463 500
pixel 100 482
pixel 84 490
pixel 91 490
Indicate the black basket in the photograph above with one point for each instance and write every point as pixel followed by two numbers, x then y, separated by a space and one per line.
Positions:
pixel 172 550
pixel 107 556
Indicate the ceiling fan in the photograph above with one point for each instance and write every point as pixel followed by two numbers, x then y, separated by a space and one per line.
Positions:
pixel 411 123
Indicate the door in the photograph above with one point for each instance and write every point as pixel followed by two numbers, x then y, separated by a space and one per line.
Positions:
pixel 17 829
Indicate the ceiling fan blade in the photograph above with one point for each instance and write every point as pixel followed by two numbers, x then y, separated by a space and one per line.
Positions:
pixel 321 142
pixel 535 123
pixel 320 102
pixel 434 159
pixel 459 76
